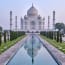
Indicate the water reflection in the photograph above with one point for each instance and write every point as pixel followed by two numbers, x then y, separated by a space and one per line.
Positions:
pixel 32 46
pixel 32 53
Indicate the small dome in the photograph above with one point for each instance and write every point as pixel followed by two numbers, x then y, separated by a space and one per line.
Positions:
pixel 39 17
pixel 34 51
pixel 44 18
pixel 25 17
pixel 32 11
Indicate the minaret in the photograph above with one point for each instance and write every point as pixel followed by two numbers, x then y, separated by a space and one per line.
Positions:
pixel 21 23
pixel 48 22
pixel 10 20
pixel 53 19
pixel 25 25
pixel 16 23
pixel 43 22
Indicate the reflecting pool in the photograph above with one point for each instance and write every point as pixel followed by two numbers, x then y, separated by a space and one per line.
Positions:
pixel 32 53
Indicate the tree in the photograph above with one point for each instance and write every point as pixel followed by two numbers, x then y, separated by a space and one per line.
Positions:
pixel 0 35
pixel 60 26
pixel 58 36
pixel 0 29
pixel 5 36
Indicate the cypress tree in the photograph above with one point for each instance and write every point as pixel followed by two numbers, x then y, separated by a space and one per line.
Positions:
pixel 57 36
pixel 5 36
pixel 60 38
pixel 8 35
pixel 52 34
pixel 0 39
pixel 11 36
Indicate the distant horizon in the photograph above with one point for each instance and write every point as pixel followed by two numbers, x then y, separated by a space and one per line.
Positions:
pixel 19 8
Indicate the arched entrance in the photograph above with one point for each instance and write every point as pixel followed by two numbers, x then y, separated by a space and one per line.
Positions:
pixel 33 25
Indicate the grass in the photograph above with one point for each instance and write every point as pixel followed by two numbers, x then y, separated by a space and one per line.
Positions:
pixel 58 45
pixel 8 44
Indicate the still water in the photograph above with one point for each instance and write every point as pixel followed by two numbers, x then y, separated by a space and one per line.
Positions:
pixel 32 53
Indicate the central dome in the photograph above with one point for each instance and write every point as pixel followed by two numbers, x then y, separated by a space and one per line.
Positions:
pixel 32 11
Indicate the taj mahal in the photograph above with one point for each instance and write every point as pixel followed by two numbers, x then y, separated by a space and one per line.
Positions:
pixel 32 21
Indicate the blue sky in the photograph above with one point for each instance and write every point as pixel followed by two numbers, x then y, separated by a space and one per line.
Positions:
pixel 20 7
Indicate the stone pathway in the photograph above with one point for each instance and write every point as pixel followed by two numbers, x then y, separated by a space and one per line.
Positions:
pixel 59 56
pixel 4 57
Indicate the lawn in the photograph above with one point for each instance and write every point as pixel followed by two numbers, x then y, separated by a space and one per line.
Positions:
pixel 58 45
pixel 8 44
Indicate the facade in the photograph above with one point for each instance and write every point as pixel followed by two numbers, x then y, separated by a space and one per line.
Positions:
pixel 32 22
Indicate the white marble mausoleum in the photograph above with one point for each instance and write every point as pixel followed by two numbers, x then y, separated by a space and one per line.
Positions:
pixel 32 22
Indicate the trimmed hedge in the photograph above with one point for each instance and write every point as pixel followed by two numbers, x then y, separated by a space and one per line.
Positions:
pixel 15 34
pixel 53 35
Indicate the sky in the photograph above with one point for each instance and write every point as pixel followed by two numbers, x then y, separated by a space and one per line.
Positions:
pixel 20 7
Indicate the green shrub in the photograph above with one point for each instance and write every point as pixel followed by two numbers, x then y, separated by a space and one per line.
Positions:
pixel 15 34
